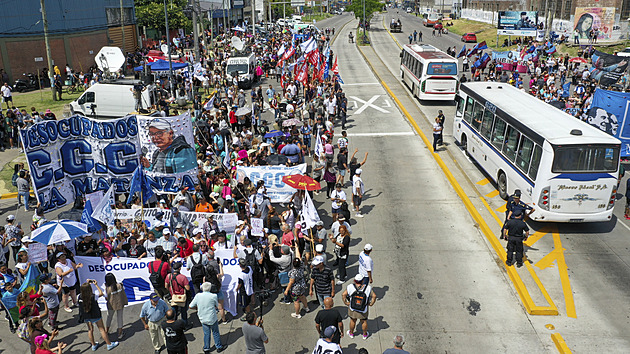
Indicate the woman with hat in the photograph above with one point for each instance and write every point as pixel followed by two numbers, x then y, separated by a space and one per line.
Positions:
pixel 42 343
pixel 65 269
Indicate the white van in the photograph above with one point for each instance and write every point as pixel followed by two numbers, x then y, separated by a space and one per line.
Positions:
pixel 110 100
pixel 244 68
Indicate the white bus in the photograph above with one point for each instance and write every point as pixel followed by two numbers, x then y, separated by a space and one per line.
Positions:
pixel 243 68
pixel 565 168
pixel 430 73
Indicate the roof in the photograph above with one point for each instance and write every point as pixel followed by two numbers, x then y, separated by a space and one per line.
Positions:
pixel 426 51
pixel 542 118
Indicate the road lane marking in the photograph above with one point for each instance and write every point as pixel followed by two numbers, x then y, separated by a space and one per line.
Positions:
pixel 368 103
pixel 561 345
pixel 380 134
pixel 362 84
pixel 623 223
pixel 526 298
pixel 483 182
pixel 492 194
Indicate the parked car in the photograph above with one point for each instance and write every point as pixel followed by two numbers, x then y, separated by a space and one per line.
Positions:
pixel 409 10
pixel 624 53
pixel 469 37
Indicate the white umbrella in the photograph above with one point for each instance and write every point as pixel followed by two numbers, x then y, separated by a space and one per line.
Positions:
pixel 56 231
pixel 243 111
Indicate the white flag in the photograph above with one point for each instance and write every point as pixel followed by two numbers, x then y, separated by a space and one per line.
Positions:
pixel 309 45
pixel 310 217
pixel 226 159
pixel 103 211
pixel 319 147
pixel 210 104
pixel 281 50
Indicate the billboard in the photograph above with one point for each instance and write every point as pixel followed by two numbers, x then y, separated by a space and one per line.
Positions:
pixel 600 19
pixel 518 23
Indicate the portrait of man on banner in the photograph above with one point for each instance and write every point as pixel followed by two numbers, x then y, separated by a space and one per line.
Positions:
pixel 173 154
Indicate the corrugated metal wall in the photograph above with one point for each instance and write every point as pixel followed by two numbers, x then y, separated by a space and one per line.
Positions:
pixel 131 38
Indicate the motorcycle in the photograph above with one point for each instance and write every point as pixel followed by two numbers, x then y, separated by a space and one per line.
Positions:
pixel 28 82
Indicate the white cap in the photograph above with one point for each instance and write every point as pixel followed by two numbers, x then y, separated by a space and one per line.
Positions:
pixel 358 171
pixel 367 247
pixel 197 231
pixel 319 248
pixel 358 278
pixel 166 231
pixel 318 260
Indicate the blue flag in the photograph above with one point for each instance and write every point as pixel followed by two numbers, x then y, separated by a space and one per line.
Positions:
pixel 462 51
pixel 566 89
pixel 482 46
pixel 86 217
pixel 531 49
pixel 485 59
pixel 610 112
pixel 139 183
pixel 339 78
pixel 551 50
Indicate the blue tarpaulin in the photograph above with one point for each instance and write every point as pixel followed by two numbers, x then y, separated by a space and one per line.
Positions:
pixel 162 65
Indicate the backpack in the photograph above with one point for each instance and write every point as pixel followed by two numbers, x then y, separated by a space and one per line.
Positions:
pixel 250 258
pixel 156 277
pixel 345 211
pixel 359 300
pixel 197 272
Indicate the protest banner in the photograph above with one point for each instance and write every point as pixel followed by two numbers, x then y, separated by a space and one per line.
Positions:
pixel 75 156
pixel 168 152
pixel 127 216
pixel 610 112
pixel 277 190
pixel 134 275
pixel 226 222
pixel 606 69
pixel 257 227
pixel 517 23
pixel 37 252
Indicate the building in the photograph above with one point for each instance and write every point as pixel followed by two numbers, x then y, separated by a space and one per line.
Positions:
pixel 77 31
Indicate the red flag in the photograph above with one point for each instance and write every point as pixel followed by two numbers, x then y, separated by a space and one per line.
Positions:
pixel 313 57
pixel 319 74
pixel 335 69
pixel 288 53
pixel 302 76
pixel 282 81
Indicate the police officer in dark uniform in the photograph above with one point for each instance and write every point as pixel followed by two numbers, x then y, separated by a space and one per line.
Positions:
pixel 515 231
pixel 514 203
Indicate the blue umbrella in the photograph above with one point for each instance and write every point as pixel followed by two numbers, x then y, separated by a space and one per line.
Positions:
pixel 274 133
pixel 56 231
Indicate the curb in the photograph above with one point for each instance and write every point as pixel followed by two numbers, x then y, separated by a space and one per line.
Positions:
pixel 483 226
pixel 14 195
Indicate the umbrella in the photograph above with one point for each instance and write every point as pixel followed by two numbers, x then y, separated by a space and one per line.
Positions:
pixel 58 231
pixel 276 159
pixel 243 111
pixel 274 133
pixel 291 121
pixel 578 60
pixel 301 182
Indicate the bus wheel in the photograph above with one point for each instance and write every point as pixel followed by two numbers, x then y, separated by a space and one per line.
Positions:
pixel 502 184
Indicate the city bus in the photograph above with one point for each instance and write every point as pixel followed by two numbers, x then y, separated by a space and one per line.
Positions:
pixel 565 168
pixel 430 73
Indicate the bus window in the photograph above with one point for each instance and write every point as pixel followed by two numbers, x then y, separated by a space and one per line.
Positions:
pixel 420 66
pixel 486 124
pixel 511 142
pixel 460 105
pixel 524 153
pixel 498 133
pixel 533 169
pixel 469 110
pixel 477 116
pixel 585 158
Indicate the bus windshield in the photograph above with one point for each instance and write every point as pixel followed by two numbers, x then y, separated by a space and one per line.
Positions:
pixel 442 69
pixel 585 158
pixel 239 68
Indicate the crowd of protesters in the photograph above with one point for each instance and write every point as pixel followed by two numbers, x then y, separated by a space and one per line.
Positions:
pixel 288 262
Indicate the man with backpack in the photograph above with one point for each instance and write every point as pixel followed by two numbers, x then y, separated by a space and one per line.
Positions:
pixel 196 265
pixel 158 269
pixel 252 258
pixel 358 298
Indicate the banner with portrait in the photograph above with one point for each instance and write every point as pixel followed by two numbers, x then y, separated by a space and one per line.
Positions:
pixel 226 222
pixel 74 156
pixel 587 20
pixel 277 190
pixel 607 69
pixel 517 23
pixel 128 216
pixel 167 148
pixel 610 112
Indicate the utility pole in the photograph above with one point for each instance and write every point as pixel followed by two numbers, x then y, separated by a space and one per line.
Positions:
pixel 364 24
pixel 48 55
pixel 195 28
pixel 168 45
pixel 122 28
pixel 253 17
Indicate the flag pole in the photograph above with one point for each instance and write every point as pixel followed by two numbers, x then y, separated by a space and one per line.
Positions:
pixel 310 229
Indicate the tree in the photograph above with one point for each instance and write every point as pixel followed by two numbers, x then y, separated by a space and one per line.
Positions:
pixel 150 13
pixel 371 6
pixel 278 10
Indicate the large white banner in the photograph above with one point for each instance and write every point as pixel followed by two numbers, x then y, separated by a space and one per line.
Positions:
pixel 127 216
pixel 134 275
pixel 225 222
pixel 277 190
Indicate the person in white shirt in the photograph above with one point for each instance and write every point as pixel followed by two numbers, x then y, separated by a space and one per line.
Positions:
pixel 366 264
pixel 337 197
pixel 358 188
pixel 331 105
pixel 325 344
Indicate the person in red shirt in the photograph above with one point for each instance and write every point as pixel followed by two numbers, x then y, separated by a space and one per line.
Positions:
pixel 177 284
pixel 43 346
pixel 184 246
pixel 233 119
pixel 155 266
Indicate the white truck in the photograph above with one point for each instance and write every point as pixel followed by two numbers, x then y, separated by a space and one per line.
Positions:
pixel 243 68
pixel 112 99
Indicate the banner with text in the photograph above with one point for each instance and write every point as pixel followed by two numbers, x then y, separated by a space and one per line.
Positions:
pixel 225 222
pixel 277 190
pixel 517 23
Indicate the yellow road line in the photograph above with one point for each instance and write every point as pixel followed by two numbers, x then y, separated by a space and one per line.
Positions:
pixel 483 182
pixel 518 282
pixel 561 345
pixel 492 194
pixel 502 209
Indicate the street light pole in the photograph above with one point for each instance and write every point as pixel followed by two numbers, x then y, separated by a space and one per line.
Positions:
pixel 364 24
pixel 168 46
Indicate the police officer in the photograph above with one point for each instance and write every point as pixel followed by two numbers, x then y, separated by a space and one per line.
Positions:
pixel 515 231
pixel 514 203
